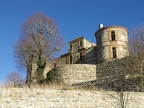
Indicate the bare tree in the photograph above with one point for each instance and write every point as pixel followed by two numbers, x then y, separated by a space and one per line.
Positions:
pixel 121 93
pixel 14 79
pixel 121 97
pixel 119 86
pixel 136 43
pixel 25 56
pixel 40 40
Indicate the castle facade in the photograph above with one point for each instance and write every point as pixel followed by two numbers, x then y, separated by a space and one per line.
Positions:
pixel 111 44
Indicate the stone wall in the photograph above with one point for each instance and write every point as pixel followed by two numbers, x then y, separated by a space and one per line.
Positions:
pixel 77 73
pixel 86 74
pixel 81 73
pixel 109 69
pixel 117 67
pixel 90 55
pixel 44 98
pixel 88 44
pixel 58 62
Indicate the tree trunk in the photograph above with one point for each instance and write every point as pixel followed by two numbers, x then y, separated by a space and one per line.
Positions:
pixel 41 63
pixel 28 77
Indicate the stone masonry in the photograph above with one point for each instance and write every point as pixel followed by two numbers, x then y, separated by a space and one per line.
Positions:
pixel 112 43
pixel 45 98
pixel 77 73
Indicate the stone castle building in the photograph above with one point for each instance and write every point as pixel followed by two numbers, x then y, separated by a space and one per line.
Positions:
pixel 111 44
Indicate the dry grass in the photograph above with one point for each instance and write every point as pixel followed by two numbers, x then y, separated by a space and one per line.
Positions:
pixel 52 86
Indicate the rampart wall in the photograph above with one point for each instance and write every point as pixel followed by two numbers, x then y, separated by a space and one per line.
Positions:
pixel 44 98
pixel 81 73
pixel 110 69
pixel 77 73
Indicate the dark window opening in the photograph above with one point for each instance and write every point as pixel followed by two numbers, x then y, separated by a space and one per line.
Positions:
pixel 112 35
pixel 81 56
pixel 70 59
pixel 114 52
pixel 81 43
pixel 70 46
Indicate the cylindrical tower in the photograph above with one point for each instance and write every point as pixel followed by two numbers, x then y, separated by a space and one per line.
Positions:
pixel 112 43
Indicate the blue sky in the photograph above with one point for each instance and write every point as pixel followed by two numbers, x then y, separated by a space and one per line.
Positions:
pixel 74 18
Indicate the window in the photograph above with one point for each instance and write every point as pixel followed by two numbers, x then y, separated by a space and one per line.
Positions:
pixel 113 35
pixel 70 59
pixel 81 43
pixel 80 56
pixel 114 52
pixel 70 47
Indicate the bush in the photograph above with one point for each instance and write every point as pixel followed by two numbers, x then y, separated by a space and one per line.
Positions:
pixel 51 75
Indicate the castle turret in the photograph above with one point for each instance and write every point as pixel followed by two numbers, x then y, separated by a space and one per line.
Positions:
pixel 112 43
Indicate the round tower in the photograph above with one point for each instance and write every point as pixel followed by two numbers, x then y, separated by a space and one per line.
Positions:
pixel 112 43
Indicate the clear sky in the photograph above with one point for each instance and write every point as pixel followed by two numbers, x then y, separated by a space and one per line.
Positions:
pixel 74 18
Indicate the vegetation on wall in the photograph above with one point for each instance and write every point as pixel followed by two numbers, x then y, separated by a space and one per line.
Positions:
pixel 52 75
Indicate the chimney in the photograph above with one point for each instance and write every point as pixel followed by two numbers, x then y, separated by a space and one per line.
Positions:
pixel 100 26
